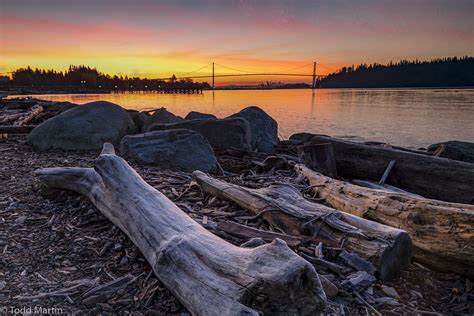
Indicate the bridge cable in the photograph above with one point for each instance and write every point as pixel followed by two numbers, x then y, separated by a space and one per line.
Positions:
pixel 230 68
pixel 291 69
pixel 188 73
pixel 250 72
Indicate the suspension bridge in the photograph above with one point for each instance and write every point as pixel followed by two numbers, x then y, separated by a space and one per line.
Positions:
pixel 244 73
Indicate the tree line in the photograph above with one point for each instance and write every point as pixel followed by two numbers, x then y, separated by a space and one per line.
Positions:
pixel 90 78
pixel 443 72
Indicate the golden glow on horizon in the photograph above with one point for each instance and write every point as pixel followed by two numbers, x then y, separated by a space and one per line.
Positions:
pixel 156 39
pixel 164 67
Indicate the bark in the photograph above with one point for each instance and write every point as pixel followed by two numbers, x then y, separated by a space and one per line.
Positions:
pixel 432 177
pixel 442 232
pixel 389 249
pixel 207 274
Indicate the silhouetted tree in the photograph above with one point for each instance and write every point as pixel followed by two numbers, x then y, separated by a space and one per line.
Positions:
pixel 86 77
pixel 446 72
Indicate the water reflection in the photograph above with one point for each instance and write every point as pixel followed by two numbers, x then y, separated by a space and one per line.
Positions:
pixel 404 117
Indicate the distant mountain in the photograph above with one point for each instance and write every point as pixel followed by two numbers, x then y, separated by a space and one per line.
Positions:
pixel 446 72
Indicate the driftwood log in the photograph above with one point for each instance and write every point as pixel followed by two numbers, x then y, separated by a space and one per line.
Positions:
pixel 207 274
pixel 431 177
pixel 442 232
pixel 389 249
pixel 10 129
pixel 319 157
pixel 29 116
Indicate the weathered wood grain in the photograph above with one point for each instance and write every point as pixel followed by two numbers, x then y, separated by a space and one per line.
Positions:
pixel 431 177
pixel 389 249
pixel 442 232
pixel 207 274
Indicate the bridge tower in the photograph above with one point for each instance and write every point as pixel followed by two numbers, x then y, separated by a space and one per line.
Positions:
pixel 314 76
pixel 213 85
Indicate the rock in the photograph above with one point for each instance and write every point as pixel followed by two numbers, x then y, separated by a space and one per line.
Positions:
pixel 84 127
pixel 118 247
pixel 386 301
pixel 193 115
pixel 161 116
pixel 20 220
pixel 3 284
pixel 139 119
pixel 359 280
pixel 221 133
pixel 390 291
pixel 171 149
pixel 253 242
pixel 264 129
pixel 457 150
pixel 59 107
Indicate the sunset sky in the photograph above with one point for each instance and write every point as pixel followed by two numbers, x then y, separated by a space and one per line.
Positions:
pixel 154 39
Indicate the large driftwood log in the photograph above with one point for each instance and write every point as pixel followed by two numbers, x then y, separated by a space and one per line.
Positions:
pixel 442 232
pixel 389 249
pixel 319 157
pixel 207 274
pixel 432 177
pixel 10 129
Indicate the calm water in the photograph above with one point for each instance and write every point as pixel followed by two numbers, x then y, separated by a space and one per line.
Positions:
pixel 405 117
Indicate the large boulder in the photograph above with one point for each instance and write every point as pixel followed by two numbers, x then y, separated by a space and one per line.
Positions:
pixel 84 127
pixel 221 133
pixel 171 149
pixel 161 116
pixel 264 129
pixel 453 149
pixel 139 119
pixel 193 115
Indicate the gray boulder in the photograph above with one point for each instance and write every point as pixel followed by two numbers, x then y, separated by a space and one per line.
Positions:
pixel 453 149
pixel 221 133
pixel 161 116
pixel 139 119
pixel 59 107
pixel 84 127
pixel 193 115
pixel 171 149
pixel 264 129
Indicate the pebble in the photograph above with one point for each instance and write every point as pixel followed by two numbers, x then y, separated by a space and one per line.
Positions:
pixel 118 247
pixel 359 280
pixel 387 300
pixel 123 261
pixel 390 291
pixel 20 220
